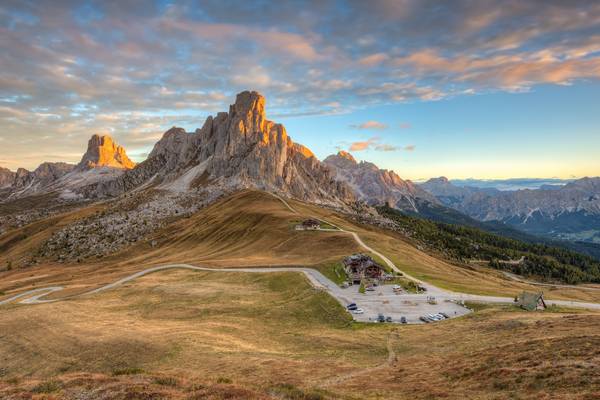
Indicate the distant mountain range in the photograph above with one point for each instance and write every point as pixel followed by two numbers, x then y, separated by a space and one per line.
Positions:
pixel 513 183
pixel 570 212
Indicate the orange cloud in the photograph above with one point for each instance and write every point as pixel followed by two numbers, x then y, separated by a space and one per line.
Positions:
pixel 372 143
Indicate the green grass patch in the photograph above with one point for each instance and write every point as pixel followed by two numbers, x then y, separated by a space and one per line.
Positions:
pixel 333 271
pixel 408 285
pixel 51 386
pixel 325 225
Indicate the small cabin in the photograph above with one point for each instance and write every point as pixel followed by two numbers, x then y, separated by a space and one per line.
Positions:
pixel 361 266
pixel 310 224
pixel 531 301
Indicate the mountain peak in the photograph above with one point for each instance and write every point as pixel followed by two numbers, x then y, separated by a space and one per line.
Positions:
pixel 440 180
pixel 102 151
pixel 346 155
pixel 249 102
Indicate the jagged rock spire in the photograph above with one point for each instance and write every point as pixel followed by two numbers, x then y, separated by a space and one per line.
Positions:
pixel 102 151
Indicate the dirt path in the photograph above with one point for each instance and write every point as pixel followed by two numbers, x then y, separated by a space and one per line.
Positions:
pixel 317 279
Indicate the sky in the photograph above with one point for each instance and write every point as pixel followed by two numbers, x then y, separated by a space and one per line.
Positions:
pixel 464 89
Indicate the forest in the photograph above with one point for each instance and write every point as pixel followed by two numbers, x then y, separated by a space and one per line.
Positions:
pixel 464 243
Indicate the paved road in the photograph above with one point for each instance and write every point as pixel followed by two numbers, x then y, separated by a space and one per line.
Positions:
pixel 382 300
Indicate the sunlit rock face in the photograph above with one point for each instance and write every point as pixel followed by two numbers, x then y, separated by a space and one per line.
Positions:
pixel 377 186
pixel 102 151
pixel 240 148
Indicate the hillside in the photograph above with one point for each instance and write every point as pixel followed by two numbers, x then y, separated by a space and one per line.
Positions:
pixel 189 335
pixel 466 243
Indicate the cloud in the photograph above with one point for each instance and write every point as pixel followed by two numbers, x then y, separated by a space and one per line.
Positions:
pixel 370 125
pixel 363 145
pixel 138 68
pixel 386 147
pixel 411 147
pixel 373 59
pixel 372 143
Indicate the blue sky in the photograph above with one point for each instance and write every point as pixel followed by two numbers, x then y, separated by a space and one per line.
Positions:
pixel 426 88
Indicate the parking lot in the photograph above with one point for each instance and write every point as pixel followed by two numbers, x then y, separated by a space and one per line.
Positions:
pixel 384 301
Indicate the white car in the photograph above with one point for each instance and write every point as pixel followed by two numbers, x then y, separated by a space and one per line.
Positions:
pixel 358 311
pixel 434 317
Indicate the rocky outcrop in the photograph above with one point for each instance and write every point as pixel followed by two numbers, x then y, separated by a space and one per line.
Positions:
pixel 240 148
pixel 102 151
pixel 7 177
pixel 378 186
pixel 42 176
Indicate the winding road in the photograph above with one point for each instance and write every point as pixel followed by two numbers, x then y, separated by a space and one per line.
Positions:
pixel 381 301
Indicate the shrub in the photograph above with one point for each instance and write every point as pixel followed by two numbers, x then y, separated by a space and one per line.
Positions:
pixel 127 371
pixel 47 387
pixel 223 380
pixel 166 381
pixel 291 392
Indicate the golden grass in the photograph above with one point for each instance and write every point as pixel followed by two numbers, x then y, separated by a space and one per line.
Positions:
pixel 264 334
pixel 249 228
pixel 460 278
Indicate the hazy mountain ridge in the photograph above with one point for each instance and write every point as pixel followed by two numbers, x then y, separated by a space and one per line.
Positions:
pixel 565 212
pixel 378 186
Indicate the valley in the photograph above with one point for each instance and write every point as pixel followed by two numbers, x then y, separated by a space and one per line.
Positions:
pixel 185 276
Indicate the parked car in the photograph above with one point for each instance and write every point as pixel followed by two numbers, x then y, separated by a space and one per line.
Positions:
pixel 370 289
pixel 403 320
pixel 352 306
pixel 381 318
pixel 434 317
pixel 388 319
pixel 358 311
pixel 425 319
pixel 444 315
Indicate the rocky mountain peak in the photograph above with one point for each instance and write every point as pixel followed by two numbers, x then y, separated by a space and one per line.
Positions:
pixel 378 186
pixel 346 155
pixel 249 103
pixel 342 159
pixel 7 177
pixel 237 149
pixel 102 151
pixel 442 180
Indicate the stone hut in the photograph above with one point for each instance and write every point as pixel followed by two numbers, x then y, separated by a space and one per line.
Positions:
pixel 531 301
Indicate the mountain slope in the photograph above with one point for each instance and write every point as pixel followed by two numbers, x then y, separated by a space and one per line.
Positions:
pixel 234 150
pixel 378 186
pixel 569 212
